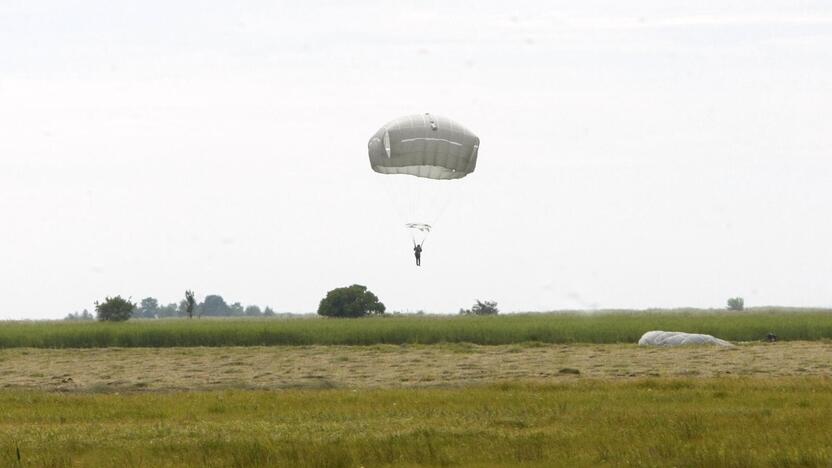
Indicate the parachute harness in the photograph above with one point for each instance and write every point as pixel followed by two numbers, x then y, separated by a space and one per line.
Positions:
pixel 422 228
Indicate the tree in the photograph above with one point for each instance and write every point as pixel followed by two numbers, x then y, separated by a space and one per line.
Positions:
pixel 352 301
pixel 268 312
pixel 253 311
pixel 190 303
pixel 114 309
pixel 148 308
pixel 481 308
pixel 182 308
pixel 236 310
pixel 214 306
pixel 169 310
pixel 736 303
pixel 85 315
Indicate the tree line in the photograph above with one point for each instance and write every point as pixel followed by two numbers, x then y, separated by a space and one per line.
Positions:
pixel 346 302
pixel 149 308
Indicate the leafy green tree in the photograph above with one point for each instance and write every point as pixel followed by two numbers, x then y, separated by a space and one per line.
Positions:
pixel 114 309
pixel 85 315
pixel 736 303
pixel 352 301
pixel 481 308
pixel 236 310
pixel 189 304
pixel 182 308
pixel 214 306
pixel 253 311
pixel 485 308
pixel 148 308
pixel 268 312
pixel 169 310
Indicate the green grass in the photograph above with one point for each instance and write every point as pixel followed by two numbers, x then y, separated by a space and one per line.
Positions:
pixel 657 422
pixel 606 327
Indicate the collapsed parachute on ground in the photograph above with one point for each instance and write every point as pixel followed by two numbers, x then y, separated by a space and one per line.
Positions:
pixel 663 338
pixel 422 158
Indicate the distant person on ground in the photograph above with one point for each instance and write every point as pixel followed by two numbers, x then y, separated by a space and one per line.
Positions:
pixel 417 251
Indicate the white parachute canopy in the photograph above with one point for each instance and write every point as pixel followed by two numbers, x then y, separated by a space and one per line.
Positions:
pixel 426 146
pixel 422 158
pixel 664 338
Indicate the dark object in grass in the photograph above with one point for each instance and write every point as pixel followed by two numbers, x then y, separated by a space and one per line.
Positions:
pixel 771 337
pixel 569 370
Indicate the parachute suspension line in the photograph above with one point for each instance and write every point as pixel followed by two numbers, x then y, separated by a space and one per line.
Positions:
pixel 443 206
pixel 418 232
pixel 425 239
pixel 406 195
pixel 423 155
pixel 398 202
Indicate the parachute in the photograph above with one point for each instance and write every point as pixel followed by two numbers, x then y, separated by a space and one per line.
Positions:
pixel 422 157
pixel 425 146
pixel 664 338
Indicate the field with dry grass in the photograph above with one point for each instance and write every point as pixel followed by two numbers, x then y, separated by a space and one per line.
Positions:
pixel 449 404
pixel 392 366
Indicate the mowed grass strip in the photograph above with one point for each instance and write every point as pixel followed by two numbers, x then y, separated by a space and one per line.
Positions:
pixel 392 366
pixel 654 422
pixel 600 327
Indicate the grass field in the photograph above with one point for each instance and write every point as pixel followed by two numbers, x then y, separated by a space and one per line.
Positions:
pixel 607 327
pixel 779 422
pixel 521 390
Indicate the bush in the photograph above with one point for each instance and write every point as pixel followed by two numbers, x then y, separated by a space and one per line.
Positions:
pixel 114 309
pixel 253 311
pixel 352 301
pixel 481 308
pixel 736 303
pixel 85 315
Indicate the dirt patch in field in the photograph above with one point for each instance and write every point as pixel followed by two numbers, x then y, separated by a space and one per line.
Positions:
pixel 155 369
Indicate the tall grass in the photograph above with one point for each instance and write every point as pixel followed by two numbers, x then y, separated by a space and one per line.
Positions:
pixel 656 422
pixel 606 327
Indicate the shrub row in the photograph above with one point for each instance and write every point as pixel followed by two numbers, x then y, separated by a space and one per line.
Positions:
pixel 599 327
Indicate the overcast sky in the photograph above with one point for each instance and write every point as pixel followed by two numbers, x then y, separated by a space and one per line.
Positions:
pixel 633 154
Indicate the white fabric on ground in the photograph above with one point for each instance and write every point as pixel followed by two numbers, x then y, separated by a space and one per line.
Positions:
pixel 664 338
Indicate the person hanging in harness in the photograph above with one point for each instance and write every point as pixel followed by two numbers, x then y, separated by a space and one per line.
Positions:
pixel 417 251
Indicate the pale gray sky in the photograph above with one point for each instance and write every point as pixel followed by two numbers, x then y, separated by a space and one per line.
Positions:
pixel 633 154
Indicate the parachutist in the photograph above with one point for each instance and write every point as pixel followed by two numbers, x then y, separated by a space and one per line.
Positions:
pixel 422 153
